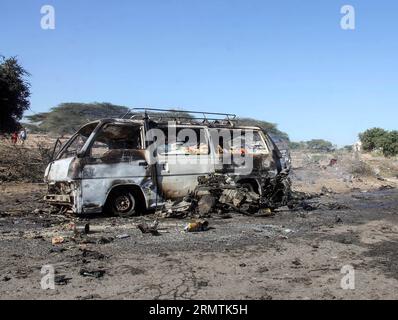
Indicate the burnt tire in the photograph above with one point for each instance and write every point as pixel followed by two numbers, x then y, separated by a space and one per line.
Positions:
pixel 122 203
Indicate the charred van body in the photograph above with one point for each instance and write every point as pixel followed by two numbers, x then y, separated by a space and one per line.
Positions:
pixel 128 165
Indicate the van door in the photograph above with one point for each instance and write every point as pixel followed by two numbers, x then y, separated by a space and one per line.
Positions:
pixel 115 157
pixel 184 156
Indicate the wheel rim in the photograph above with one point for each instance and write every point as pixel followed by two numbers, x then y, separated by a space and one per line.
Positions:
pixel 123 203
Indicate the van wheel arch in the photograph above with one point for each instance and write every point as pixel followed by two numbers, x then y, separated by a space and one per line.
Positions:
pixel 125 200
pixel 251 184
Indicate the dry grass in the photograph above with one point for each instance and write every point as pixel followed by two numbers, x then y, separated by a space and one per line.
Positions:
pixel 361 168
pixel 23 163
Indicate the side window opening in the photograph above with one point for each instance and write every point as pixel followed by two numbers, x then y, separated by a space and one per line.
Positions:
pixel 186 141
pixel 257 144
pixel 238 141
pixel 116 141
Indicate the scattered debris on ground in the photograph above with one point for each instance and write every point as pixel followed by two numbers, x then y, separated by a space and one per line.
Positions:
pixel 92 273
pixel 307 206
pixel 218 193
pixel 81 229
pixel 57 250
pixel 57 240
pixel 89 254
pixel 152 229
pixel 61 280
pixel 105 240
pixel 197 226
pixel 123 236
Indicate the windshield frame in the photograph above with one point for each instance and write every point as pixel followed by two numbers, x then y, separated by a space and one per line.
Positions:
pixel 86 150
pixel 73 137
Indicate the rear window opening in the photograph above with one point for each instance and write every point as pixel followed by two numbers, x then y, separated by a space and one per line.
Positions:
pixel 238 141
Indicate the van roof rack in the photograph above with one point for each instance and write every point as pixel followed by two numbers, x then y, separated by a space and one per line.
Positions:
pixel 181 114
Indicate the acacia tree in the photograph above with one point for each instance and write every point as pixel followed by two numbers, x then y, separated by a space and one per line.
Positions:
pixel 66 118
pixel 14 94
pixel 320 145
pixel 268 127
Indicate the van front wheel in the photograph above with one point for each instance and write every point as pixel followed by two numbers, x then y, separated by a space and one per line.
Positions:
pixel 122 203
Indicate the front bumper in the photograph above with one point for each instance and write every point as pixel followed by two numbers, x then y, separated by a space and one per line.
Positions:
pixel 59 199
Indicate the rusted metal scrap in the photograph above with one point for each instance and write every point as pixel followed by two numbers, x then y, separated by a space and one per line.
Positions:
pixel 177 209
pixel 218 193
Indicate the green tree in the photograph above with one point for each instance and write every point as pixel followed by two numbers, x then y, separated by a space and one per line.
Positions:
pixel 268 127
pixel 389 144
pixel 372 138
pixel 320 145
pixel 66 118
pixel 14 94
pixel 297 145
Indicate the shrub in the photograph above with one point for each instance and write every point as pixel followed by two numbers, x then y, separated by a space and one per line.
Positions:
pixel 389 144
pixel 360 168
pixel 19 163
pixel 380 139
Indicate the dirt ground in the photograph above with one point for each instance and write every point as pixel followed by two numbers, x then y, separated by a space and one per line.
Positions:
pixel 291 255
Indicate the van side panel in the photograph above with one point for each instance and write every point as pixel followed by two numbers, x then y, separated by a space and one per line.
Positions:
pixel 178 176
pixel 99 178
pixel 178 171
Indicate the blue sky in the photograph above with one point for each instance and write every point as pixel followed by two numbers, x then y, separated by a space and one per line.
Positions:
pixel 287 62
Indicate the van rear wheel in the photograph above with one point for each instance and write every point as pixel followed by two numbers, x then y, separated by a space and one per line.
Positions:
pixel 122 203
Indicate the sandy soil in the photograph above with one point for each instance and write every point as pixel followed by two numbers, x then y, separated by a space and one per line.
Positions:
pixel 291 255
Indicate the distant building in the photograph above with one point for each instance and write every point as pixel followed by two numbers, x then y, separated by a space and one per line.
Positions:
pixel 357 147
